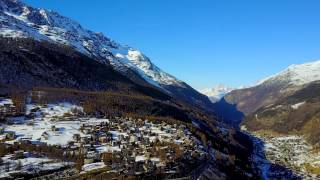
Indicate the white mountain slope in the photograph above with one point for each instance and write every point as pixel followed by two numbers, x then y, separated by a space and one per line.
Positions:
pixel 273 88
pixel 21 21
pixel 217 92
pixel 296 74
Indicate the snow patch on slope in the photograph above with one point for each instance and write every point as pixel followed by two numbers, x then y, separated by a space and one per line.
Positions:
pixel 53 110
pixel 296 106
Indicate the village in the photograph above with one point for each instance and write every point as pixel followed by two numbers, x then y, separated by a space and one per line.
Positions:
pixel 294 153
pixel 117 145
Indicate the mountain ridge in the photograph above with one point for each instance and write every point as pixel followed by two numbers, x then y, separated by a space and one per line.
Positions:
pixel 285 103
pixel 297 74
pixel 268 90
pixel 19 20
pixel 296 114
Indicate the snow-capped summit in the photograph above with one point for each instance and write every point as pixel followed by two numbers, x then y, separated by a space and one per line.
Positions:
pixel 297 74
pixel 269 90
pixel 217 92
pixel 22 21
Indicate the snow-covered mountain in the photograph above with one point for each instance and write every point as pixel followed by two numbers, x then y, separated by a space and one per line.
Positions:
pixel 296 74
pixel 19 20
pixel 217 92
pixel 271 89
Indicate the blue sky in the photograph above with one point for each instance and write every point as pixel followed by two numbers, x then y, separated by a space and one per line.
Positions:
pixel 206 42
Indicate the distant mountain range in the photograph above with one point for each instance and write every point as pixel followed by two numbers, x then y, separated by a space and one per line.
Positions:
pixel 217 92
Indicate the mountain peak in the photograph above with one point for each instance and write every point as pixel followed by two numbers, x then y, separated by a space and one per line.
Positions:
pixel 296 74
pixel 217 92
pixel 20 20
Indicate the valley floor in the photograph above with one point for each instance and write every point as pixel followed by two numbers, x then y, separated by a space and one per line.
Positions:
pixel 290 156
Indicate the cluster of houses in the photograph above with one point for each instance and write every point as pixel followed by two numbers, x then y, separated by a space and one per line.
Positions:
pixel 136 147
pixel 292 152
pixel 6 136
pixel 126 145
pixel 6 108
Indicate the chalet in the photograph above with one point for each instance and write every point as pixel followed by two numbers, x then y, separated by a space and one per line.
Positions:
pixel 91 156
pixel 19 154
pixel 155 160
pixel 6 108
pixel 77 144
pixel 76 137
pixel 116 143
pixel 26 140
pixel 103 139
pixel 54 129
pixel 45 135
pixel 30 122
pixel 87 130
pixel 86 139
pixel 10 135
pixel 138 168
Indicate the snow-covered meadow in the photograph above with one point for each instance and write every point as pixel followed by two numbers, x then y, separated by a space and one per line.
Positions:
pixel 28 164
pixel 45 128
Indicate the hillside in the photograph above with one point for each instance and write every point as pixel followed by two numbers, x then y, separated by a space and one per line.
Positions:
pixel 27 63
pixel 287 102
pixel 19 20
pixel 278 86
pixel 283 112
pixel 45 76
pixel 295 114
pixel 289 129
pixel 41 75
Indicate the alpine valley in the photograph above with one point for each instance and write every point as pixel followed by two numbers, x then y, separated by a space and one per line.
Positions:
pixel 284 112
pixel 75 104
